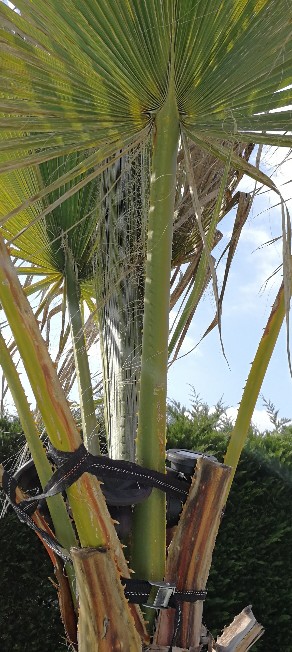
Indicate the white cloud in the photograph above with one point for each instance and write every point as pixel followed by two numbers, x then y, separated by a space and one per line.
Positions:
pixel 189 346
pixel 172 317
pixel 276 163
pixel 260 418
pixel 252 283
pixel 232 413
pixel 11 5
pixel 95 357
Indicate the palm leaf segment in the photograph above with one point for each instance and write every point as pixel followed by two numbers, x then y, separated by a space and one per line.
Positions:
pixel 60 249
pixel 46 242
pixel 91 76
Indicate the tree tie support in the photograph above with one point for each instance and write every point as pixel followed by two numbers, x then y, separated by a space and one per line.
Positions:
pixel 162 594
pixel 133 484
pixel 71 465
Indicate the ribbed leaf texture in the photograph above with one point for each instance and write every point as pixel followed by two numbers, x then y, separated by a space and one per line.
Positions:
pixel 81 75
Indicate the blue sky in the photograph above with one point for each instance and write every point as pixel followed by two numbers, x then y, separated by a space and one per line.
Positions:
pixel 245 312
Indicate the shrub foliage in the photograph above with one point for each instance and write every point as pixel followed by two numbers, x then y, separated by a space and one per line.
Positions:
pixel 29 614
pixel 252 562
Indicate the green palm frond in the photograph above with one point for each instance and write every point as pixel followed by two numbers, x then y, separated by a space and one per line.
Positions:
pixel 70 224
pixel 81 76
pixel 60 248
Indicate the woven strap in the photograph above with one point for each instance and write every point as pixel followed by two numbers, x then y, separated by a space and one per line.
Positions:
pixel 167 595
pixel 73 464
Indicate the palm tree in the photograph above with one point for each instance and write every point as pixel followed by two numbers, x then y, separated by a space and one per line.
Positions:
pixel 120 266
pixel 101 78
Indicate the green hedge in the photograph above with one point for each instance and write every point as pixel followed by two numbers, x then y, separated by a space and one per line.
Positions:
pixel 29 613
pixel 252 561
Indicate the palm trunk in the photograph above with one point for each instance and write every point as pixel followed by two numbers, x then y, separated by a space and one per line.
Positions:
pixel 120 292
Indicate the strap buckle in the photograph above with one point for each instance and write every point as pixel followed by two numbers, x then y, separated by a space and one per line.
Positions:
pixel 162 593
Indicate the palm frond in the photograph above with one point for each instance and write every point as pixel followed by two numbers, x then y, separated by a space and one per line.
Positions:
pixel 71 74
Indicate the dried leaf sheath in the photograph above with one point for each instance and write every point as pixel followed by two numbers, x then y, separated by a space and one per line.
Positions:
pixel 190 552
pixel 103 624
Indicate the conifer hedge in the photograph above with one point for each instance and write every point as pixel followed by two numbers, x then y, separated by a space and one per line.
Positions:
pixel 252 563
pixel 29 613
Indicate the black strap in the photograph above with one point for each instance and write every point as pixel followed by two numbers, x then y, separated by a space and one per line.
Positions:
pixel 9 485
pixel 74 464
pixel 138 592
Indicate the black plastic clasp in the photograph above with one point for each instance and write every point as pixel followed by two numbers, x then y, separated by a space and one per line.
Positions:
pixel 164 591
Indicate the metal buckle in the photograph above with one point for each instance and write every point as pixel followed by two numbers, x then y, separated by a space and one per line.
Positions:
pixel 163 595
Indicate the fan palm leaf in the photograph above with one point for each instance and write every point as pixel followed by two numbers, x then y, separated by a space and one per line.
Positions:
pixel 59 248
pixel 86 75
